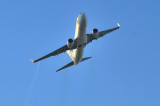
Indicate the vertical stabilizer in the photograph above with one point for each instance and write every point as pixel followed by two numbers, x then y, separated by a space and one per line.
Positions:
pixel 70 53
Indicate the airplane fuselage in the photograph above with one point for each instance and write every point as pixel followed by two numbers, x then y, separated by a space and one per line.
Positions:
pixel 80 35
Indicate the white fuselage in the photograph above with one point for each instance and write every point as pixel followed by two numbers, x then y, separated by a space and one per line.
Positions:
pixel 80 35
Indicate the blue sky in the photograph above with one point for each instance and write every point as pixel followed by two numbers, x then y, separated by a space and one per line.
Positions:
pixel 124 70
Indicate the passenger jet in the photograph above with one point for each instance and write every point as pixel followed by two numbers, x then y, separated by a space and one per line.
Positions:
pixel 81 39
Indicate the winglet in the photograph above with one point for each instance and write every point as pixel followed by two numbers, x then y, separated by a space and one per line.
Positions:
pixel 31 60
pixel 118 24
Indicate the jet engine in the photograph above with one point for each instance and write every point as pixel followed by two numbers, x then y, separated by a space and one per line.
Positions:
pixel 70 43
pixel 95 33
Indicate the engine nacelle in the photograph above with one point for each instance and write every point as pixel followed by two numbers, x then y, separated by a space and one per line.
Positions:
pixel 95 33
pixel 70 43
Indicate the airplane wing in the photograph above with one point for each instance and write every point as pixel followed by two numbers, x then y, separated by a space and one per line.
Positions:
pixel 56 52
pixel 90 38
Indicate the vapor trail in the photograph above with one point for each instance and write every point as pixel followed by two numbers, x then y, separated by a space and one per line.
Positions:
pixel 31 86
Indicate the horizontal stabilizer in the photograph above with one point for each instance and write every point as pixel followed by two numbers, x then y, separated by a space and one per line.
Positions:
pixel 83 59
pixel 68 65
pixel 72 63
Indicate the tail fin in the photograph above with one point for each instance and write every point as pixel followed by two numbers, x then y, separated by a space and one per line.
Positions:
pixel 70 53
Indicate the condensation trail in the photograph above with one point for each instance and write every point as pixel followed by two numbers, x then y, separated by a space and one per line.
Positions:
pixel 31 86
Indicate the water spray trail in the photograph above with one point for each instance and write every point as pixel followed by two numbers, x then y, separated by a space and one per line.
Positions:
pixel 31 86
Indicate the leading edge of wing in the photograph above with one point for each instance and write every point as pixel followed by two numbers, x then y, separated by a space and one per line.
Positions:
pixel 102 33
pixel 56 52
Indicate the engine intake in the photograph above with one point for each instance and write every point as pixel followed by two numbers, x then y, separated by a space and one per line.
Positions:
pixel 95 30
pixel 95 33
pixel 70 43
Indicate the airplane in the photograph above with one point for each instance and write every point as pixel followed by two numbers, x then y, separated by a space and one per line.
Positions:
pixel 80 41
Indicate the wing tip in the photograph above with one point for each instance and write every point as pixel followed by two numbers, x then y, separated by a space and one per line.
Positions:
pixel 32 60
pixel 118 24
pixel 58 70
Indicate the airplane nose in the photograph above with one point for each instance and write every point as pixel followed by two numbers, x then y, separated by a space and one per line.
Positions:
pixel 83 19
pixel 83 16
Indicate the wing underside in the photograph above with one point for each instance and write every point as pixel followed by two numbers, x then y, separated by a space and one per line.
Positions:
pixel 57 52
pixel 90 38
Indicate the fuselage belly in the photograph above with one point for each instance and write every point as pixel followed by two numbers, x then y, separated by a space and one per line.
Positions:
pixel 80 35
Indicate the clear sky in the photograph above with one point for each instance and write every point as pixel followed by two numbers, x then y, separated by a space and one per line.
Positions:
pixel 124 70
